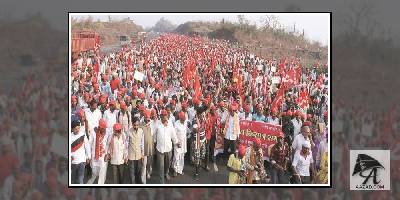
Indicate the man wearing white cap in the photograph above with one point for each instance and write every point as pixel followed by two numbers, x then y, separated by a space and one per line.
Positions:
pixel 302 164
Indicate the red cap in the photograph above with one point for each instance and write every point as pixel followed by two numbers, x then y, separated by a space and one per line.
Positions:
pixel 289 113
pixel 242 150
pixel 102 123
pixel 257 142
pixel 309 116
pixel 181 115
pixel 326 114
pixel 196 101
pixel 157 86
pixel 212 107
pixel 307 123
pixel 221 104
pixel 141 96
pixel 134 93
pixel 103 98
pixel 164 112
pixel 153 112
pixel 81 113
pixel 121 90
pixel 274 110
pixel 184 104
pixel 74 98
pixel 234 106
pixel 147 114
pixel 96 86
pixel 246 108
pixel 281 134
pixel 141 108
pixel 123 105
pixel 117 127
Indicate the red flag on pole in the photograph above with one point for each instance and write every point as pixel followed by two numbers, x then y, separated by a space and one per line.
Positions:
pixel 164 71
pixel 197 87
pixel 278 98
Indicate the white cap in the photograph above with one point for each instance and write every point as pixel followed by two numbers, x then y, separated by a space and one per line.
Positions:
pixel 307 144
pixel 195 126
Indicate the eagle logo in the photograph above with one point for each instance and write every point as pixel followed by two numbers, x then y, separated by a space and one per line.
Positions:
pixel 364 163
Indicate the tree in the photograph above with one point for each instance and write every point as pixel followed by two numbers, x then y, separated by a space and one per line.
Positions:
pixel 163 25
pixel 270 22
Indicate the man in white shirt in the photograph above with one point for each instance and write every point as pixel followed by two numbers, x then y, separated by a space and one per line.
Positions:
pixel 124 118
pixel 300 139
pixel 80 152
pixel 302 164
pixel 110 115
pixel 245 115
pixel 232 130
pixel 117 153
pixel 181 128
pixel 164 136
pixel 273 119
pixel 93 115
pixel 296 124
pixel 98 144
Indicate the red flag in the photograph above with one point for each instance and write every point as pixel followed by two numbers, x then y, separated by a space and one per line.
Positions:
pixel 304 99
pixel 164 71
pixel 278 98
pixel 197 87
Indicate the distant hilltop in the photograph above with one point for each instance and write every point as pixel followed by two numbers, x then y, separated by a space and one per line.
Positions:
pixel 110 31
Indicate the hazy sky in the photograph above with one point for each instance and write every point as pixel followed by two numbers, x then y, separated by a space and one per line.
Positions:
pixel 316 26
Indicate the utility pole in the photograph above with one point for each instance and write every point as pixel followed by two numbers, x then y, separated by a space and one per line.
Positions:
pixel 294 28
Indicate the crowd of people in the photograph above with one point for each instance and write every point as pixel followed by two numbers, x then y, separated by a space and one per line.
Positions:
pixel 30 170
pixel 169 99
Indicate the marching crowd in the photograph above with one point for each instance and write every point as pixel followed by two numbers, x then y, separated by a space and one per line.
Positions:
pixel 30 170
pixel 165 103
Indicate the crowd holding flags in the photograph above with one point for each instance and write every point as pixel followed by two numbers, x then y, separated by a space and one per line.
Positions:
pixel 188 85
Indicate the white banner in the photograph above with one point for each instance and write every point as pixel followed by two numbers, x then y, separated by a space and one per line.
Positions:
pixel 276 80
pixel 138 76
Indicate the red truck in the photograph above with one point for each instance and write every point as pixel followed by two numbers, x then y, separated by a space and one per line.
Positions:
pixel 83 41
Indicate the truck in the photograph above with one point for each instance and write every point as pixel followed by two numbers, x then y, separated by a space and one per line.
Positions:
pixel 84 41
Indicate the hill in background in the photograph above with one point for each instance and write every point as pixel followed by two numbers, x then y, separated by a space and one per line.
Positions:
pixel 109 31
pixel 269 40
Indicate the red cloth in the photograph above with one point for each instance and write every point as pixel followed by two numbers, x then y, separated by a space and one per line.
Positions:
pixel 197 88
pixel 99 151
pixel 211 123
pixel 114 84
pixel 278 99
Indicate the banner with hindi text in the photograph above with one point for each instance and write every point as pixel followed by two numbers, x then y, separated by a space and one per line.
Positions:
pixel 249 130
